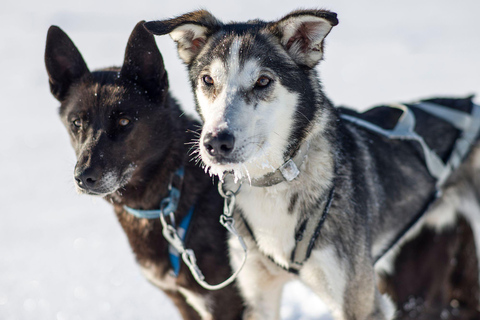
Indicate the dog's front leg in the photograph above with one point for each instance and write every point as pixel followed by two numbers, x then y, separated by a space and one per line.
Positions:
pixel 349 290
pixel 260 282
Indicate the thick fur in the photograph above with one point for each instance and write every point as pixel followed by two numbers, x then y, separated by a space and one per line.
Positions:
pixel 258 93
pixel 129 136
pixel 432 272
pixel 436 275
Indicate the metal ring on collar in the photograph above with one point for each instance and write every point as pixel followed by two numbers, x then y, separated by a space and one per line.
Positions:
pixel 226 193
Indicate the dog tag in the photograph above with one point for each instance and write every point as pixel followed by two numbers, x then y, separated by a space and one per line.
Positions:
pixel 289 170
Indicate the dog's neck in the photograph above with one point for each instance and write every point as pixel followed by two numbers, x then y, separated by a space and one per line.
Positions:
pixel 316 168
pixel 286 172
pixel 316 150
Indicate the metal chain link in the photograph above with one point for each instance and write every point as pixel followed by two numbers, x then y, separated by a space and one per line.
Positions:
pixel 188 256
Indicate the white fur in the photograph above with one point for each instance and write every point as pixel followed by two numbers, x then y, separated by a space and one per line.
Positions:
pixel 111 181
pixel 319 28
pixel 168 283
pixel 326 276
pixel 260 282
pixel 197 302
pixel 266 210
pixel 388 307
pixel 184 36
pixel 259 142
pixel 290 27
pixel 442 216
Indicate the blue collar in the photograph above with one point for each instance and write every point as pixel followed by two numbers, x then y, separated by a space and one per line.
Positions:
pixel 168 206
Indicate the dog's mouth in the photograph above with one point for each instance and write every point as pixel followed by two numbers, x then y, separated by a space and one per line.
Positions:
pixel 245 162
pixel 108 183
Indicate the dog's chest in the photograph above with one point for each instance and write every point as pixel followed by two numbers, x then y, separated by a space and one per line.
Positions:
pixel 268 216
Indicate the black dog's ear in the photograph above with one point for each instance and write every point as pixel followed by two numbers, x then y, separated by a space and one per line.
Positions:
pixel 302 33
pixel 190 31
pixel 64 62
pixel 143 64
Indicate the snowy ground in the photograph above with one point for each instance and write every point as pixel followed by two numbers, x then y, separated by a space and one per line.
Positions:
pixel 63 256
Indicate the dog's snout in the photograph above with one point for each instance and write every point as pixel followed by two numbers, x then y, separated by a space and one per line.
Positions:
pixel 87 178
pixel 220 144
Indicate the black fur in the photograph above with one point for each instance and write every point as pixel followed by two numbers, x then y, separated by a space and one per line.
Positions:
pixel 153 142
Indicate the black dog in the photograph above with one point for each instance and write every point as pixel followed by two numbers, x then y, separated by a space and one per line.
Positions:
pixel 129 136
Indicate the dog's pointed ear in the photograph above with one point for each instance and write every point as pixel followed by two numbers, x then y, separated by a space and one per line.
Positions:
pixel 143 64
pixel 190 31
pixel 302 33
pixel 63 61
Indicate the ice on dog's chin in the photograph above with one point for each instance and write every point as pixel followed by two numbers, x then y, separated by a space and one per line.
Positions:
pixel 240 170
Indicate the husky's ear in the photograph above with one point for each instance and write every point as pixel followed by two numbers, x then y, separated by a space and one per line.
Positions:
pixel 63 61
pixel 143 64
pixel 302 33
pixel 190 31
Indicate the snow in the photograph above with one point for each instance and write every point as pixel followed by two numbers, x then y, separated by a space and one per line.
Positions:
pixel 64 256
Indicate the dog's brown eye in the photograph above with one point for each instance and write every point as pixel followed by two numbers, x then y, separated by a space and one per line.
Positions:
pixel 262 82
pixel 123 122
pixel 77 123
pixel 208 80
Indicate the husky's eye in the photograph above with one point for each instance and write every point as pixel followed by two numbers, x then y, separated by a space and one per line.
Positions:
pixel 262 82
pixel 77 123
pixel 208 80
pixel 123 122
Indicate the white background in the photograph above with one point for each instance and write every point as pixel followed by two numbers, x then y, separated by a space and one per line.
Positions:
pixel 64 256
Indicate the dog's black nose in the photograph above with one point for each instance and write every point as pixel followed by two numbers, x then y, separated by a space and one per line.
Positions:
pixel 221 144
pixel 87 178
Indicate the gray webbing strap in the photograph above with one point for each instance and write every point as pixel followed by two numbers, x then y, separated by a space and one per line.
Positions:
pixel 459 119
pixel 404 130
pixel 299 255
pixel 286 172
pixel 469 124
pixel 304 244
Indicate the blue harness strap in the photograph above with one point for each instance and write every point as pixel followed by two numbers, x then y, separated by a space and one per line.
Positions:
pixel 182 231
pixel 168 206
pixel 144 214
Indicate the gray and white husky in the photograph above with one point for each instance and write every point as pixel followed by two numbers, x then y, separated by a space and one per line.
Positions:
pixel 322 197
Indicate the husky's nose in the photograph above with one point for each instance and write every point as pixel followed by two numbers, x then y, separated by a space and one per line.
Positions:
pixel 221 144
pixel 87 179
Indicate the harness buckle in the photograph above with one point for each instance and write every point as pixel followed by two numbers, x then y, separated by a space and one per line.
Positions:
pixel 289 170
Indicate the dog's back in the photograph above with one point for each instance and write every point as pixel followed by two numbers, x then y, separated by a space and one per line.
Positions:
pixel 420 277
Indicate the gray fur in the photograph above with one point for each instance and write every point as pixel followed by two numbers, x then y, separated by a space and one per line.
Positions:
pixel 380 185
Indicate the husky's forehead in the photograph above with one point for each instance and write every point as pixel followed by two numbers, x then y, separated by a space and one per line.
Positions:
pixel 245 50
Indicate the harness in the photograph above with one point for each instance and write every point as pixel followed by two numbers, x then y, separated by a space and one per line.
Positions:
pixel 305 237
pixel 176 236
pixel 310 228
pixel 308 231
pixel 467 124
